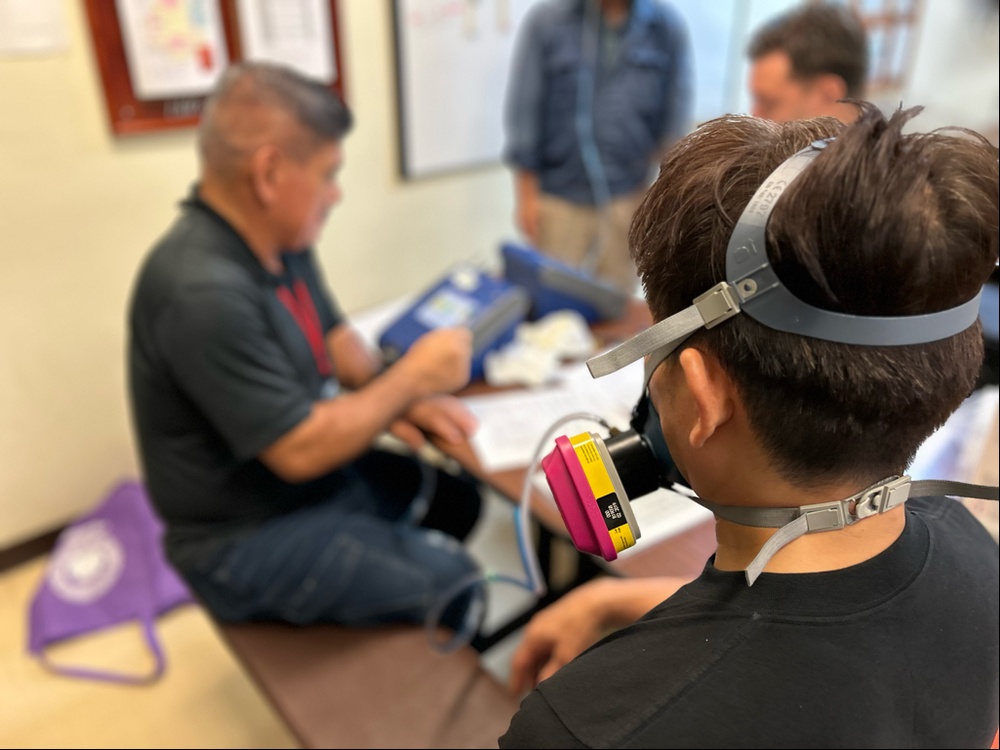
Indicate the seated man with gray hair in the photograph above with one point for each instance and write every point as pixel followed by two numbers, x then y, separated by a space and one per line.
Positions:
pixel 257 406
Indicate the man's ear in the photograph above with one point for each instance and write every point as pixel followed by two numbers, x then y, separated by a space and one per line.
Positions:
pixel 830 87
pixel 711 390
pixel 264 173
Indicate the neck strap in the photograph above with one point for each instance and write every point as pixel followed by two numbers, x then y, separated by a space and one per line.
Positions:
pixel 792 523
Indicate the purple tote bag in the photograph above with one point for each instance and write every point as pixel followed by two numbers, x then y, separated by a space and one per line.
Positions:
pixel 107 568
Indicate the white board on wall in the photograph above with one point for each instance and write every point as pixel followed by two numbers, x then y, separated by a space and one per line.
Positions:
pixel 452 61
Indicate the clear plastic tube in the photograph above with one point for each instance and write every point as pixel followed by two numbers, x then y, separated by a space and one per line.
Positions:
pixel 534 582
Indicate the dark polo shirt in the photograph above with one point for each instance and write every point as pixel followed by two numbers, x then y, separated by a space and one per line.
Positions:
pixel 220 368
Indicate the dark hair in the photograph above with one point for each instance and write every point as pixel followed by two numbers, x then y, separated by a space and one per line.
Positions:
pixel 881 223
pixel 247 85
pixel 818 38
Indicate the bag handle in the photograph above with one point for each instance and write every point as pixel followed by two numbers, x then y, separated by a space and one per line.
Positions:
pixel 107 675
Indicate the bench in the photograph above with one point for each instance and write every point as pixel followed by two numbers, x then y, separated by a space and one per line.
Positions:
pixel 383 687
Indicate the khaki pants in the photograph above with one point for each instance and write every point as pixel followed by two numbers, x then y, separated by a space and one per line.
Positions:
pixel 595 240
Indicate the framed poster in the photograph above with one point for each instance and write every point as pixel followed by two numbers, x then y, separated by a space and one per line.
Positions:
pixel 158 59
pixel 298 33
pixel 452 61
pixel 172 49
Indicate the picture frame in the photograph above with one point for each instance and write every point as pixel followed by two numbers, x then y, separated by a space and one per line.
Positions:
pixel 147 90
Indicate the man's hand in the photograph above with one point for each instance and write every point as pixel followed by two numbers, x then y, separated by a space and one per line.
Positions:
pixel 555 636
pixel 527 219
pixel 338 430
pixel 569 626
pixel 442 417
pixel 526 195
pixel 440 361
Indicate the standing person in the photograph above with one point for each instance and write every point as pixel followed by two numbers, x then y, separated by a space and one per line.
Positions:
pixel 866 620
pixel 256 405
pixel 804 62
pixel 598 90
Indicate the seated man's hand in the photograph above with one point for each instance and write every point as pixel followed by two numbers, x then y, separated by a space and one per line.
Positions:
pixel 569 626
pixel 555 636
pixel 442 417
pixel 440 361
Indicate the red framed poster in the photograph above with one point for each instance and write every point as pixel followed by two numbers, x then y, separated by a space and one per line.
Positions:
pixel 158 59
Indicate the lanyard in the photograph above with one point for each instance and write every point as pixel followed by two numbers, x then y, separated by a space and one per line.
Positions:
pixel 300 304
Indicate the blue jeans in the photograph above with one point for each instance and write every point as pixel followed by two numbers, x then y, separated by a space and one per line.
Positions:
pixel 364 556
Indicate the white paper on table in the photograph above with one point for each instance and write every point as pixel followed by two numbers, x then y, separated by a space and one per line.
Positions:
pixel 512 423
pixel 662 514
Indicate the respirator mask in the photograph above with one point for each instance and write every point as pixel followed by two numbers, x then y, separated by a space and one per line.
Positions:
pixel 594 479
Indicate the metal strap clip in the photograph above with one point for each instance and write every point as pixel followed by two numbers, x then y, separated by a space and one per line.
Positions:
pixel 882 497
pixel 718 304
pixel 825 516
pixel 837 514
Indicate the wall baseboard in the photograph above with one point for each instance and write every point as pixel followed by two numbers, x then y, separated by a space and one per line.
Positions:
pixel 11 557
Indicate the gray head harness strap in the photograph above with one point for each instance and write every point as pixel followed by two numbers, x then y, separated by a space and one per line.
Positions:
pixel 765 299
pixel 752 287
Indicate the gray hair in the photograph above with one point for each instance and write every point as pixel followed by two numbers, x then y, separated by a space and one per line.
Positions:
pixel 228 129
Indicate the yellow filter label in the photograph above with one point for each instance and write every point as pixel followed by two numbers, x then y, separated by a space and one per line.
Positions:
pixel 604 491
pixel 621 537
pixel 593 466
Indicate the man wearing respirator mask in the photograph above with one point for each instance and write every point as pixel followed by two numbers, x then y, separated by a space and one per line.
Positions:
pixel 816 291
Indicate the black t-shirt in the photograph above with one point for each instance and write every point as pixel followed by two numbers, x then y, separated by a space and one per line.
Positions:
pixel 899 651
pixel 219 368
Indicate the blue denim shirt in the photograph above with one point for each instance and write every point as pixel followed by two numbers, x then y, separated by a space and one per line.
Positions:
pixel 638 103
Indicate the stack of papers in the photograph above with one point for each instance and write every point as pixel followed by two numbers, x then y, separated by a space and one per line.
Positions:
pixel 512 424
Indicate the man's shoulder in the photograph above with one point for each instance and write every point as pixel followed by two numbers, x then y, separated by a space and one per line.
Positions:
pixel 193 257
pixel 196 250
pixel 953 525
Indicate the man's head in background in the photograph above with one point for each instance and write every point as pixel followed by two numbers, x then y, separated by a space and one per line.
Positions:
pixel 803 62
pixel 270 146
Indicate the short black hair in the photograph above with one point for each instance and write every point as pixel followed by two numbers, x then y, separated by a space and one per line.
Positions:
pixel 818 38
pixel 882 223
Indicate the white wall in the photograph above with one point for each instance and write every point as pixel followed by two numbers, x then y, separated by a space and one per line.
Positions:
pixel 79 208
pixel 956 68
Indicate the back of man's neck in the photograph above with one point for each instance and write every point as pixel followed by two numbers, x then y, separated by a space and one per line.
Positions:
pixel 230 206
pixel 811 553
pixel 753 482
